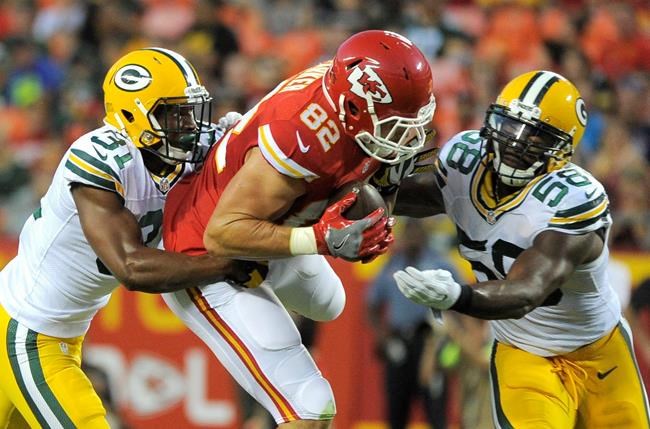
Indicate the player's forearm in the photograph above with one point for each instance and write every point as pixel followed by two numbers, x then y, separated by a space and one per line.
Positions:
pixel 248 239
pixel 500 299
pixel 156 271
pixel 418 196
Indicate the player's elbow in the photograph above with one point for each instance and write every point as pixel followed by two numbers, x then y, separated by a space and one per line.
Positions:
pixel 129 278
pixel 529 299
pixel 136 278
pixel 215 240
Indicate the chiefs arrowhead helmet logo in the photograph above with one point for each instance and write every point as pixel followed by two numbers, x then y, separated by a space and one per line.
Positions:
pixel 366 83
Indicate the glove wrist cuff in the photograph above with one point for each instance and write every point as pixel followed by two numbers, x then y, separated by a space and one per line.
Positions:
pixel 464 301
pixel 303 241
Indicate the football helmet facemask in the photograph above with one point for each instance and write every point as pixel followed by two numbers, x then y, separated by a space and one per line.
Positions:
pixel 533 127
pixel 381 86
pixel 154 96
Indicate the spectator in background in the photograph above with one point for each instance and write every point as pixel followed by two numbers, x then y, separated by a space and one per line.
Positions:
pixel 467 353
pixel 34 76
pixel 401 329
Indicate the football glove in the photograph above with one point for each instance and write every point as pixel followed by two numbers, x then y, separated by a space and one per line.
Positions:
pixel 433 288
pixel 228 121
pixel 249 274
pixel 389 176
pixel 352 240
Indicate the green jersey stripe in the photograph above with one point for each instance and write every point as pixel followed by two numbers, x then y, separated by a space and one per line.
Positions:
pixel 99 181
pixel 581 224
pixel 582 208
pixel 13 360
pixel 41 382
pixel 96 163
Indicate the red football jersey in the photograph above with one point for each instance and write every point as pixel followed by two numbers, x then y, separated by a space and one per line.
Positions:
pixel 297 131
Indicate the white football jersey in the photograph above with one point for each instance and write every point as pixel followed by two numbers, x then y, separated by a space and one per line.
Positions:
pixel 56 283
pixel 491 235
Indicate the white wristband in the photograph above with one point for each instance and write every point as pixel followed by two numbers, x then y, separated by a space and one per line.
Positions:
pixel 303 241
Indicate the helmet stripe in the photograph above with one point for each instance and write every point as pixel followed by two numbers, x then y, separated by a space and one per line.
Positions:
pixel 538 87
pixel 188 71
pixel 529 84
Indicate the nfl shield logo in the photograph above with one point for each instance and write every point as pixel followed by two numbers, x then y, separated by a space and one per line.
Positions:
pixel 164 185
pixel 491 217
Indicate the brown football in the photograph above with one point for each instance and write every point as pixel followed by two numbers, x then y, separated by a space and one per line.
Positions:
pixel 368 200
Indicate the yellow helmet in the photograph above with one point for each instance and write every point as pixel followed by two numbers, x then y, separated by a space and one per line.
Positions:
pixel 154 95
pixel 534 125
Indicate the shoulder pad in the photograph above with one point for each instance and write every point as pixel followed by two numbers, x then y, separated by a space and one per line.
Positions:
pixel 290 150
pixel 97 158
pixel 579 200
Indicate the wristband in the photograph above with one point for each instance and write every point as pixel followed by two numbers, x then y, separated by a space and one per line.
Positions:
pixel 464 301
pixel 303 241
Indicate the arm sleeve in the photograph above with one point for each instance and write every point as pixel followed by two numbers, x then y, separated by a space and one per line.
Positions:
pixel 587 211
pixel 91 164
pixel 290 150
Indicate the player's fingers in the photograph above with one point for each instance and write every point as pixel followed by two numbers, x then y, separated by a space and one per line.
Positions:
pixel 344 203
pixel 414 273
pixel 376 216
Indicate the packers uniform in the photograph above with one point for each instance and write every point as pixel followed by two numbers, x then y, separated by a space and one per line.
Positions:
pixel 54 286
pixel 569 362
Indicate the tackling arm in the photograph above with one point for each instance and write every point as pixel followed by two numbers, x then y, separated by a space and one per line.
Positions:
pixel 115 236
pixel 533 277
pixel 535 274
pixel 419 196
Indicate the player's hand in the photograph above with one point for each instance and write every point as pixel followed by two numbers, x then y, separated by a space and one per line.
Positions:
pixel 250 274
pixel 433 288
pixel 384 244
pixel 229 120
pixel 389 176
pixel 352 240
pixel 211 133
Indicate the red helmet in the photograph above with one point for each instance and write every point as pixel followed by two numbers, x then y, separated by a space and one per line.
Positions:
pixel 381 86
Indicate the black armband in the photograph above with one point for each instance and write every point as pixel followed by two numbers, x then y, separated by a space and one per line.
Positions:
pixel 464 301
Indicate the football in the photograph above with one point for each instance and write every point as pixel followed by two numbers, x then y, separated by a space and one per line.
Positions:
pixel 368 200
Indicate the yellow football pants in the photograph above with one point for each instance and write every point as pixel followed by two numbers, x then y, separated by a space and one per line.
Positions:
pixel 596 386
pixel 41 377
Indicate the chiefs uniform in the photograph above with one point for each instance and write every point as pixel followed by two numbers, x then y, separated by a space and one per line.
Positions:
pixel 327 126
pixel 296 130
pixel 572 359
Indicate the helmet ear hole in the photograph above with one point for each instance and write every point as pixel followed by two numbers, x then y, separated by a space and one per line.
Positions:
pixel 128 116
pixel 353 109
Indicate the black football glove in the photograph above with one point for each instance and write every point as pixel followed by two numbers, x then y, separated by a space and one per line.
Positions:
pixel 389 176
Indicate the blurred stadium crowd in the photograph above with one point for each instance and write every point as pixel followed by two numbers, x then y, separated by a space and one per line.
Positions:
pixel 54 54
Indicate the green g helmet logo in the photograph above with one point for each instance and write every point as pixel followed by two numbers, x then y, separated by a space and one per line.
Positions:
pixel 581 112
pixel 132 77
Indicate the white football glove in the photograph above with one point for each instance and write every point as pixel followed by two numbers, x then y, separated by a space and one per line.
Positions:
pixel 433 288
pixel 214 132
pixel 229 120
